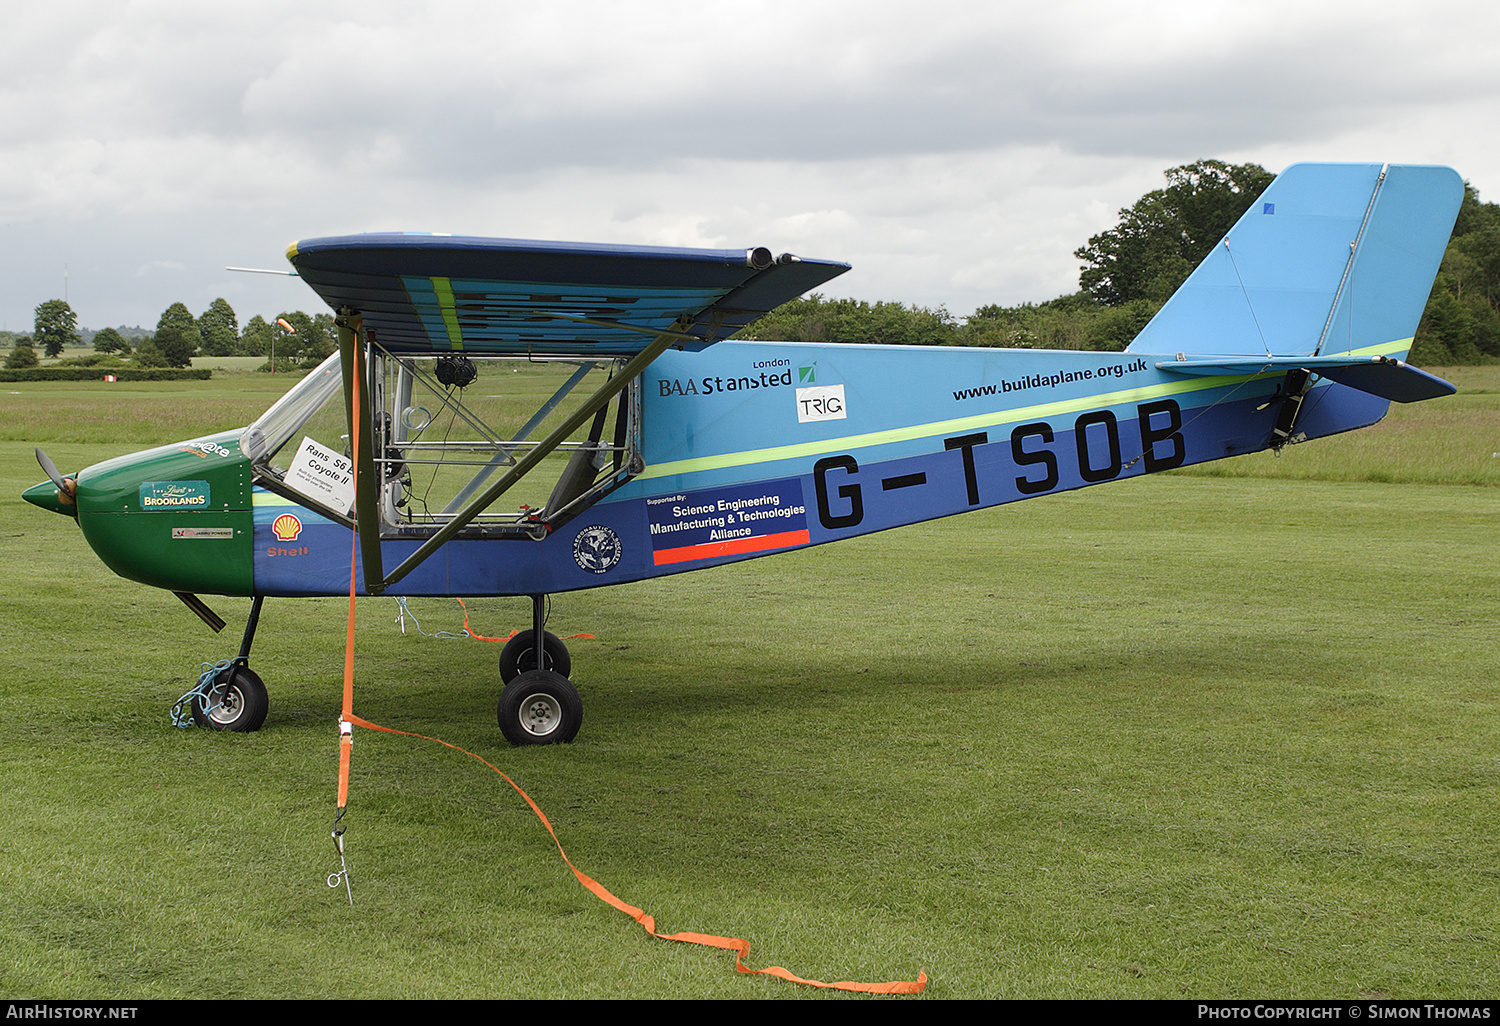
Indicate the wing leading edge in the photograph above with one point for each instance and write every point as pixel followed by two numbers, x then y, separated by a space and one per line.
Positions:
pixel 437 293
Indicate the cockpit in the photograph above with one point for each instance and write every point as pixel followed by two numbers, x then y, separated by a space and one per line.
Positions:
pixel 444 425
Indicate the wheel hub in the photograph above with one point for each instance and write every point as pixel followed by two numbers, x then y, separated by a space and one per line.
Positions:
pixel 227 708
pixel 540 714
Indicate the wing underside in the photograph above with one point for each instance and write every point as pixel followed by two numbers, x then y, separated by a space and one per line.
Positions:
pixel 432 293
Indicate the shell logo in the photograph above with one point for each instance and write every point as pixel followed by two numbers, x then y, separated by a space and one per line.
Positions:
pixel 286 527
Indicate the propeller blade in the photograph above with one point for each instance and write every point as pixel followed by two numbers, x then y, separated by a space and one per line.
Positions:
pixel 66 487
pixel 49 468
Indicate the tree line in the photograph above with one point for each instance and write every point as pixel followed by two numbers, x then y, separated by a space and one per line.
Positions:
pixel 295 338
pixel 1129 272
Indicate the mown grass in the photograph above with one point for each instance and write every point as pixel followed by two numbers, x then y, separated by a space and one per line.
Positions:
pixel 1453 441
pixel 1170 738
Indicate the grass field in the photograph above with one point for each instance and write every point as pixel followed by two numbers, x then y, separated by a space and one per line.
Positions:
pixel 1231 732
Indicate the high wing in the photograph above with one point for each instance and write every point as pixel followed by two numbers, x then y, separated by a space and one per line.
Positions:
pixel 422 294
pixel 436 293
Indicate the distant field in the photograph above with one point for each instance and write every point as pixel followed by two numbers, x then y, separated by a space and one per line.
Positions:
pixel 240 364
pixel 1449 441
pixel 1178 737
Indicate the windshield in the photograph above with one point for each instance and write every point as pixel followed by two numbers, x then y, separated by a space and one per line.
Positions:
pixel 286 416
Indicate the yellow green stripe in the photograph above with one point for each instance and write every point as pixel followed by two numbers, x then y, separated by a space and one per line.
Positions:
pixel 444 289
pixel 960 425
pixel 957 425
pixel 1400 345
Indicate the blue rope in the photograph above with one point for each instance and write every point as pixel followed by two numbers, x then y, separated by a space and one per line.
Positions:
pixel 182 712
pixel 406 611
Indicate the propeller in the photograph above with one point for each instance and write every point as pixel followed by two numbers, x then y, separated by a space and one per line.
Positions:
pixel 67 487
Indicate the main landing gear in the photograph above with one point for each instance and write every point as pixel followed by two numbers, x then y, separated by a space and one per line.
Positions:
pixel 539 705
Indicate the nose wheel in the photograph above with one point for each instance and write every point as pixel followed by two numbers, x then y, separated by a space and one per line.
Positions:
pixel 237 701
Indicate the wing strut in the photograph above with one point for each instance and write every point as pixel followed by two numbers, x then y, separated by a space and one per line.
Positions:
pixel 366 510
pixel 375 584
pixel 500 457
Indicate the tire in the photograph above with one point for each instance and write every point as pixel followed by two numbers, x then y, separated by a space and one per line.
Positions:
pixel 242 707
pixel 540 707
pixel 519 655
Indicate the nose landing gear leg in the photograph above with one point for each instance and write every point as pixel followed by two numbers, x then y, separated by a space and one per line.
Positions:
pixel 237 699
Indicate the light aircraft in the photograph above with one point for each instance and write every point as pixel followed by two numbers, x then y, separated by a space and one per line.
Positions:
pixel 675 449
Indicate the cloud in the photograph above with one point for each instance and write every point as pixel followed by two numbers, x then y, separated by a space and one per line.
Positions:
pixel 955 152
pixel 158 265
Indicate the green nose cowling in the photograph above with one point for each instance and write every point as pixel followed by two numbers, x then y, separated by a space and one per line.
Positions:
pixel 47 496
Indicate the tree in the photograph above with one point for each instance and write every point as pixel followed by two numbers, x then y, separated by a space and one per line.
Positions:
pixel 220 329
pixel 312 342
pixel 256 338
pixel 56 326
pixel 149 354
pixel 815 319
pixel 108 340
pixel 1169 231
pixel 177 336
pixel 1461 323
pixel 22 356
pixel 321 342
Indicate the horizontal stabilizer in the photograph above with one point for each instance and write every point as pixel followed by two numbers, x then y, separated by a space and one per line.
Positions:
pixel 1378 375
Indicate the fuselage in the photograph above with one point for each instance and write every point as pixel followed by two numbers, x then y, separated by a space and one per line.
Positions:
pixel 748 448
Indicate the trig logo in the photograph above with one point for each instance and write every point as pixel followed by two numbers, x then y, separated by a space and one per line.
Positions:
pixel 286 527
pixel 822 402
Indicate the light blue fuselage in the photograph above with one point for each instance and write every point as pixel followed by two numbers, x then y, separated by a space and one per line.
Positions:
pixel 754 448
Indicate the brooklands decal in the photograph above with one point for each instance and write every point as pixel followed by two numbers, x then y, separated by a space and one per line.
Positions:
pixel 174 495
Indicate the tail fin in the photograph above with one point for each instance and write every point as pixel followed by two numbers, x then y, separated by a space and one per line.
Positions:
pixel 1333 259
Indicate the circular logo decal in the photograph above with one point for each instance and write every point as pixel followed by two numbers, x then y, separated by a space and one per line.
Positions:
pixel 596 549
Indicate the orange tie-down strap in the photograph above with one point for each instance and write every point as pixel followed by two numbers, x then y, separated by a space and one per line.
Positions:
pixel 741 948
pixel 481 637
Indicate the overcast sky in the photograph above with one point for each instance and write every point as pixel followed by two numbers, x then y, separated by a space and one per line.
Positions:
pixel 956 153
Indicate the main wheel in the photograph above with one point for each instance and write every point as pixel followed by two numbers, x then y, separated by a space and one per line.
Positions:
pixel 241 704
pixel 540 707
pixel 519 655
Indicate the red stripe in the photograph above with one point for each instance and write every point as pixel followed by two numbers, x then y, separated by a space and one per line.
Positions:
pixel 732 547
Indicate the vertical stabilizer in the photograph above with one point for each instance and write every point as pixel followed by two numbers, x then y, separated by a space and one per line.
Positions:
pixel 1331 259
